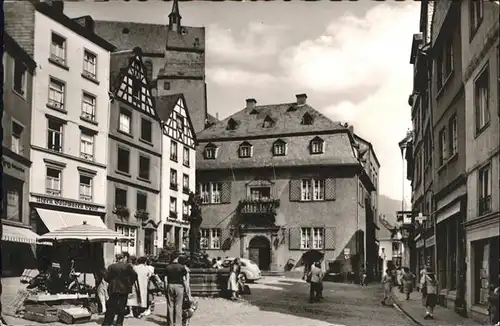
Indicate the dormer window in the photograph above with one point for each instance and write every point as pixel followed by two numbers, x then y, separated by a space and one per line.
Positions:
pixel 245 150
pixel 232 124
pixel 307 119
pixel 279 148
pixel 317 145
pixel 254 111
pixel 210 152
pixel 268 122
pixel 292 108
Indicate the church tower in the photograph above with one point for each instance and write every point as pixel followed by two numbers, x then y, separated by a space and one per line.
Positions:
pixel 174 18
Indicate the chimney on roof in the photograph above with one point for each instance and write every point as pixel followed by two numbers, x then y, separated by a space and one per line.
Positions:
pixel 351 129
pixel 301 99
pixel 251 102
pixel 57 5
pixel 89 23
pixel 217 115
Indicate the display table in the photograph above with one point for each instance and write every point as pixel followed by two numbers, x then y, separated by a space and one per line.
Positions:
pixel 52 298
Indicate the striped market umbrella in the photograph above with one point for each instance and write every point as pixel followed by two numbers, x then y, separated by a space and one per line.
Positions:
pixel 83 232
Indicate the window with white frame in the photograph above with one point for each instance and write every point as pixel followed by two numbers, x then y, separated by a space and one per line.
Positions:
pixel 87 145
pixel 129 245
pixel 185 181
pixel 484 190
pixel 53 181
pixel 312 238
pixel 453 135
pixel 312 189
pixel 173 204
pixel 305 238
pixel 215 238
pixel 16 140
pixel 20 80
pixel 56 94
pixel 173 178
pixel 481 99
pixel 88 107
pixel 85 187
pixel 185 156
pixel 58 48
pixel 245 150
pixel 279 148
pixel 14 203
pixel 444 63
pixel 317 146
pixel 443 148
pixel 210 152
pixel 185 208
pixel 210 192
pixel 476 15
pixel 125 121
pixel 173 150
pixel 205 193
pixel 204 238
pixel 89 64
pixel 55 135
pixel 215 193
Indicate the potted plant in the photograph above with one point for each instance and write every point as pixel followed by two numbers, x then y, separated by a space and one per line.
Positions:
pixel 121 211
pixel 142 214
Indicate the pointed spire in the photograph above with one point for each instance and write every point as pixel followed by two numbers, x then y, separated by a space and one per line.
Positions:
pixel 174 17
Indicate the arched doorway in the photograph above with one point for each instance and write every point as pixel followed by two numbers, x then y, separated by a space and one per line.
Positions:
pixel 259 251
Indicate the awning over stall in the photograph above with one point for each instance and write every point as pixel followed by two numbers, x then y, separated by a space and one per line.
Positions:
pixel 55 220
pixel 19 234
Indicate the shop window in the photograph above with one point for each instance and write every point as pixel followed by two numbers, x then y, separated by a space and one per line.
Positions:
pixel 12 199
pixel 485 268
pixel 126 246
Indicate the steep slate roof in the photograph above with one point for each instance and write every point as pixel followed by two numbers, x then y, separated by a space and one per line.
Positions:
pixel 165 105
pixel 385 231
pixel 19 23
pixel 151 38
pixel 287 127
pixel 285 122
pixel 118 64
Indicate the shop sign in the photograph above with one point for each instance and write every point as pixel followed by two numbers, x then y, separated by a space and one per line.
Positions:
pixel 65 203
pixel 10 166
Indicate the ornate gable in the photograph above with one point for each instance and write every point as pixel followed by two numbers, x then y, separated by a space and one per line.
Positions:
pixel 133 86
pixel 178 125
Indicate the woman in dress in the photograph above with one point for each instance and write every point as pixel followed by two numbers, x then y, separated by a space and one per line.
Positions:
pixel 407 280
pixel 141 289
pixel 232 284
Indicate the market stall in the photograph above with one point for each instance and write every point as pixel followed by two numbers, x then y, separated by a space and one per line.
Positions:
pixel 57 292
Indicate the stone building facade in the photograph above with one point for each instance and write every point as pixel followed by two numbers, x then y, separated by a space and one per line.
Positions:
pixel 17 237
pixel 279 180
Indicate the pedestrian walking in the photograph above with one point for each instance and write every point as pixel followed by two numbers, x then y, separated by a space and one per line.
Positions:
pixel 387 282
pixel 315 278
pixel 120 277
pixel 431 284
pixel 154 285
pixel 102 290
pixel 140 290
pixel 363 277
pixel 174 277
pixel 494 304
pixel 407 280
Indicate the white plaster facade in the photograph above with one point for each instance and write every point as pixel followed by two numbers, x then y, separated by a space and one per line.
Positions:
pixel 68 72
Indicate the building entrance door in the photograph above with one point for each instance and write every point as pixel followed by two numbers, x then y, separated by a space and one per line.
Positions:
pixel 259 251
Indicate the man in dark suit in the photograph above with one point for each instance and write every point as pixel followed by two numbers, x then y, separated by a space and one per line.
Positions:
pixel 175 281
pixel 120 277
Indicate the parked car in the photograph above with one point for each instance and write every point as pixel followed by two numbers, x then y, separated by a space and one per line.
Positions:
pixel 250 272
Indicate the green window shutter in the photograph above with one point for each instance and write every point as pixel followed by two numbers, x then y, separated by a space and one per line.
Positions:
pixel 330 189
pixel 329 238
pixel 295 189
pixel 225 195
pixel 294 239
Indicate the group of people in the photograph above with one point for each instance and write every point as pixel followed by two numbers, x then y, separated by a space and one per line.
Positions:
pixel 314 276
pixel 235 284
pixel 129 284
pixel 404 279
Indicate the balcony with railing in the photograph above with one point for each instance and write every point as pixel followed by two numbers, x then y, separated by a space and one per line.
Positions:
pixel 258 212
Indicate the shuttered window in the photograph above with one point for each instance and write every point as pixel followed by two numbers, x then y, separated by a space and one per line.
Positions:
pixel 306 238
pixel 215 192
pixel 312 189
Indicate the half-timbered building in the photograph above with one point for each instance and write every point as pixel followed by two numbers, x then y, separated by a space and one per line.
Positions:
pixel 279 180
pixel 178 170
pixel 134 159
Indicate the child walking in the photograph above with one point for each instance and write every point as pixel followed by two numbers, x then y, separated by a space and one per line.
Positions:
pixel 387 282
pixel 429 284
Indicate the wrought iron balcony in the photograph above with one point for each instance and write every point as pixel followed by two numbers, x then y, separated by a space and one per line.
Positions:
pixel 259 206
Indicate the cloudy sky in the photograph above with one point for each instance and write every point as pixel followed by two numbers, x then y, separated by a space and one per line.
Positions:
pixel 351 58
